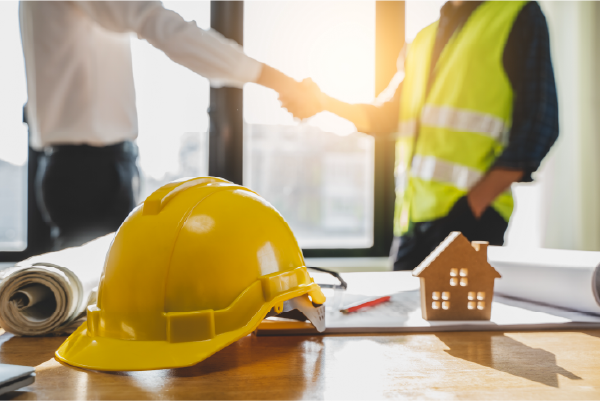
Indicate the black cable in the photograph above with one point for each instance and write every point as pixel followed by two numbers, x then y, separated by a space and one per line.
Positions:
pixel 334 274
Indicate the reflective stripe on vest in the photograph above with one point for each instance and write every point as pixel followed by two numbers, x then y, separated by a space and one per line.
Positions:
pixel 430 168
pixel 464 121
pixel 456 120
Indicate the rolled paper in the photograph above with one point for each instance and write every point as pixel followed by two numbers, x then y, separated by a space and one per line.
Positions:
pixel 44 294
pixel 564 278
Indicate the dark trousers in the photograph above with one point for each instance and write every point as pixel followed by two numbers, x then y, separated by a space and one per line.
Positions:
pixel 87 191
pixel 408 251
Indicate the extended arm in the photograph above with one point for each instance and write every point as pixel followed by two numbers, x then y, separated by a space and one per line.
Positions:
pixel 366 117
pixel 281 83
pixel 207 53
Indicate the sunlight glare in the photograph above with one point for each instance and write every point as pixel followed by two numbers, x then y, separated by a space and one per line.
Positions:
pixel 336 49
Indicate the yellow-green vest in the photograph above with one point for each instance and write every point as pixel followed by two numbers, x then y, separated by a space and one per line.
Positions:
pixel 461 125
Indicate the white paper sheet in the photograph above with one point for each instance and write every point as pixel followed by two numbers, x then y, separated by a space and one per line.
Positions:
pixel 568 279
pixel 403 312
pixel 46 293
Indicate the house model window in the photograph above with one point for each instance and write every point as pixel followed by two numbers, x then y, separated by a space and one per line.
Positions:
pixel 454 279
pixel 444 297
pixel 457 281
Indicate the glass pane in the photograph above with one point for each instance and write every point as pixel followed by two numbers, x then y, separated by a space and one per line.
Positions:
pixel 419 14
pixel 317 173
pixel 13 133
pixel 172 104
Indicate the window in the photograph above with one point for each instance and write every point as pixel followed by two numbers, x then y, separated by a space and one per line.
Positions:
pixel 334 185
pixel 320 173
pixel 435 295
pixel 419 14
pixel 480 300
pixel 13 139
pixel 454 278
pixel 464 280
pixel 445 296
pixel 172 104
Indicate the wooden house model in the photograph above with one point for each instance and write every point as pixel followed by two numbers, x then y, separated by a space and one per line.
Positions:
pixel 457 282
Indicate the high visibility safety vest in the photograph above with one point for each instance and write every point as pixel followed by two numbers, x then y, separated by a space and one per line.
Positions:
pixel 448 138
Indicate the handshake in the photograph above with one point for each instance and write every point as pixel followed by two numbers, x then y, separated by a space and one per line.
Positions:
pixel 303 99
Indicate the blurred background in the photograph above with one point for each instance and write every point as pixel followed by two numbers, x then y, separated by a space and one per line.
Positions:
pixel 326 179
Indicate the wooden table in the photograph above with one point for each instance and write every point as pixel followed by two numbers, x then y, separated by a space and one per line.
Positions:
pixel 464 365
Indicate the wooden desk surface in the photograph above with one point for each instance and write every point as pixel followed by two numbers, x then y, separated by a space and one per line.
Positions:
pixel 473 365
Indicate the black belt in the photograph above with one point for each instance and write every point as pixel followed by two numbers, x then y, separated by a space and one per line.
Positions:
pixel 126 147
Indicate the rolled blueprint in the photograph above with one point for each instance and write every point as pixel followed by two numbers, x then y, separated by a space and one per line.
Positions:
pixel 567 279
pixel 44 294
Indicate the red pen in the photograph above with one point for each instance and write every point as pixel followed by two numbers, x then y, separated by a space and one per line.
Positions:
pixel 365 304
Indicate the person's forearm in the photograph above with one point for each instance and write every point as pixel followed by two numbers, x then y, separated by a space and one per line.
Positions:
pixel 356 113
pixel 366 117
pixel 493 184
pixel 207 53
pixel 276 80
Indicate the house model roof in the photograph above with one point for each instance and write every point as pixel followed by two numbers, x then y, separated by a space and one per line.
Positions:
pixel 457 249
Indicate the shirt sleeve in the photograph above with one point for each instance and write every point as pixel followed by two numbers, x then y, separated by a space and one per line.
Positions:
pixel 528 65
pixel 207 53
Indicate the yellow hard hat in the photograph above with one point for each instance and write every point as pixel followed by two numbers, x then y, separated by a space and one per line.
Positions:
pixel 194 268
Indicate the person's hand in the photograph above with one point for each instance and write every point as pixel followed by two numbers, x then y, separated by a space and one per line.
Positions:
pixel 303 100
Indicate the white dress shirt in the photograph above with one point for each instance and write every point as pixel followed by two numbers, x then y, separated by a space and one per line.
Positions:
pixel 79 71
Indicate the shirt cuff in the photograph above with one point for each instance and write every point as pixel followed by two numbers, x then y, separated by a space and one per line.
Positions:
pixel 527 168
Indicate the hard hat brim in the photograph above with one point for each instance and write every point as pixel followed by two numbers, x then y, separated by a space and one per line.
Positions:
pixel 110 354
